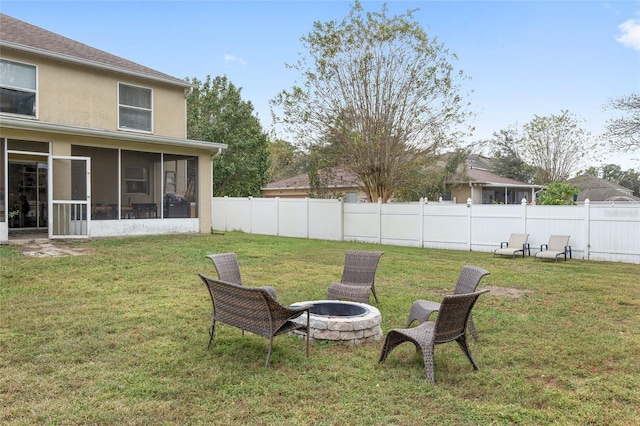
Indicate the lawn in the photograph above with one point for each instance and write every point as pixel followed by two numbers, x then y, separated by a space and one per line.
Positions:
pixel 118 335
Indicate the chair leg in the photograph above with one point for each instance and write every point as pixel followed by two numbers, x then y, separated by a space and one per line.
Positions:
pixel 462 342
pixel 392 340
pixel 211 333
pixel 427 356
pixel 375 296
pixel 472 328
pixel 266 364
pixel 308 315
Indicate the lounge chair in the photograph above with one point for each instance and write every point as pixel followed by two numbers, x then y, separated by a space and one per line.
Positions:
pixel 450 325
pixel 557 246
pixel 253 309
pixel 468 281
pixel 517 243
pixel 358 277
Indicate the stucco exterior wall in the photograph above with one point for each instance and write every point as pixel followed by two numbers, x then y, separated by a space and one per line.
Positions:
pixel 79 96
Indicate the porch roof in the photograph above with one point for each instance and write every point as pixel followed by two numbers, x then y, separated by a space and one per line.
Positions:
pixel 31 125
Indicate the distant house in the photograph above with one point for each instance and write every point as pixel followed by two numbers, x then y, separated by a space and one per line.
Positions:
pixel 475 181
pixel 596 189
pixel 92 144
pixel 339 183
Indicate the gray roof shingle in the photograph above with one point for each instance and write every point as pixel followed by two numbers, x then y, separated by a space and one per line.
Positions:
pixel 20 35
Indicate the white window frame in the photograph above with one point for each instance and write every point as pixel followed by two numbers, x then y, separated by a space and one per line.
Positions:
pixel 133 107
pixel 23 89
pixel 136 180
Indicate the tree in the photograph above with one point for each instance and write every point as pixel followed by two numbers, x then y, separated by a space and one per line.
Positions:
pixel 217 113
pixel 624 132
pixel 558 193
pixel 556 145
pixel 378 89
pixel 285 160
pixel 630 179
pixel 507 161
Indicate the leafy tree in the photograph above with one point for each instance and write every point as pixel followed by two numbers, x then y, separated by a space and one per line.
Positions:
pixel 611 172
pixel 630 179
pixel 507 160
pixel 429 180
pixel 217 113
pixel 378 89
pixel 557 193
pixel 555 145
pixel 614 173
pixel 624 132
pixel 285 160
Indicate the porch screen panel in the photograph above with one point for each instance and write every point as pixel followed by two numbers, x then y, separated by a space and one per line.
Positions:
pixel 180 197
pixel 70 191
pixel 104 181
pixel 141 185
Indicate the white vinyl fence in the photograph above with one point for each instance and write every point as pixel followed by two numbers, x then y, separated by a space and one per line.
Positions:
pixel 609 232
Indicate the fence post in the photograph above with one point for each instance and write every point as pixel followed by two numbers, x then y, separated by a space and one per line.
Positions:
pixel 250 215
pixel 379 220
pixel 226 212
pixel 523 203
pixel 341 207
pixel 278 216
pixel 423 201
pixel 469 220
pixel 306 226
pixel 587 229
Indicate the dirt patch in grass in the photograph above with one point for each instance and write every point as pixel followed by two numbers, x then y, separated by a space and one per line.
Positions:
pixel 511 292
pixel 51 249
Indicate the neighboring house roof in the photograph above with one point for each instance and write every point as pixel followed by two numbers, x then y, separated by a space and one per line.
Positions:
pixel 338 178
pixel 596 189
pixel 22 36
pixel 486 178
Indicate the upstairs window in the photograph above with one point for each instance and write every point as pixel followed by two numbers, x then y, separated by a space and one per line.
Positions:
pixel 17 88
pixel 135 108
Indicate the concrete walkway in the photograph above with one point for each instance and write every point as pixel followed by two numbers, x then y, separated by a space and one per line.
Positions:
pixel 37 245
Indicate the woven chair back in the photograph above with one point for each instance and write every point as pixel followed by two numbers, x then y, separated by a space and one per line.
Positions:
pixel 360 267
pixel 469 279
pixel 227 267
pixel 453 314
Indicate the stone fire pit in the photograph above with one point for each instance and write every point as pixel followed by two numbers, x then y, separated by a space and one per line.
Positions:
pixel 341 321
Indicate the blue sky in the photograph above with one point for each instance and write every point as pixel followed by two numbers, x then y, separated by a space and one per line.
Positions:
pixel 524 58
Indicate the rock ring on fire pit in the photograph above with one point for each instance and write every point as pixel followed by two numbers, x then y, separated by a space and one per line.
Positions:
pixel 341 321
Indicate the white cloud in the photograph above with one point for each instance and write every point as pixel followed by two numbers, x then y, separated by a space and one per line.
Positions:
pixel 630 36
pixel 233 58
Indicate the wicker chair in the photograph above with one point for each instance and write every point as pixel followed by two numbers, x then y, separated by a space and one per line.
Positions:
pixel 254 310
pixel 468 281
pixel 558 246
pixel 358 277
pixel 517 243
pixel 450 325
pixel 228 270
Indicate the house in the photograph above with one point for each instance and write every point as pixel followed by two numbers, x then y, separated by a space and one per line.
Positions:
pixel 338 183
pixel 475 181
pixel 92 144
pixel 596 189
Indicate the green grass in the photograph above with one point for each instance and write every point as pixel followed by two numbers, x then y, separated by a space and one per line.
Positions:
pixel 119 336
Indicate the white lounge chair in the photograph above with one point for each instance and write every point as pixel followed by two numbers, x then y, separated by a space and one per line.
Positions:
pixel 558 246
pixel 517 243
